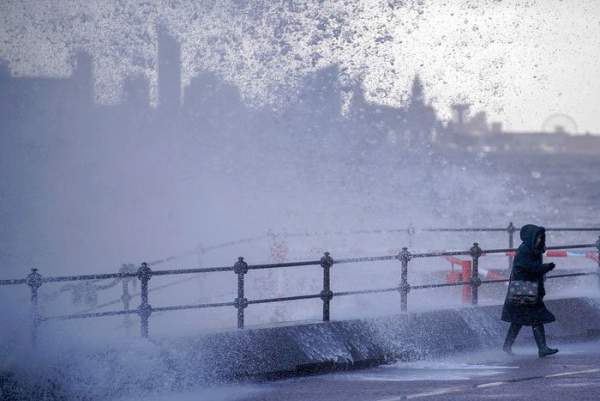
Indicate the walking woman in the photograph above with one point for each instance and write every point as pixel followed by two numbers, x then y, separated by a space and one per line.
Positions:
pixel 524 305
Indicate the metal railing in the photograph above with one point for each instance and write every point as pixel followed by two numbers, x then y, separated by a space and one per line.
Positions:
pixel 510 230
pixel 144 274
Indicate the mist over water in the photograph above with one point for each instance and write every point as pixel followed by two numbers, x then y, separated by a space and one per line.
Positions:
pixel 191 158
pixel 277 119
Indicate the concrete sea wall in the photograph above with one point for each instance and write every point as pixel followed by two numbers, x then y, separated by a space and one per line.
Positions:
pixel 138 366
pixel 355 343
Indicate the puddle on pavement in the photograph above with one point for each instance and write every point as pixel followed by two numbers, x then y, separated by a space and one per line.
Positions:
pixel 462 367
pixel 427 370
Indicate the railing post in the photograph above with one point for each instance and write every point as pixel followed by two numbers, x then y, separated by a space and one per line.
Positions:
pixel 511 242
pixel 34 281
pixel 326 294
pixel 598 256
pixel 475 280
pixel 144 274
pixel 240 268
pixel 404 256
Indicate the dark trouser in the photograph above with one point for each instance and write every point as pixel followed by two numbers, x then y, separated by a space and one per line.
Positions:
pixel 539 333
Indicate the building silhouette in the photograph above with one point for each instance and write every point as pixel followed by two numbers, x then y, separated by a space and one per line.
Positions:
pixel 63 109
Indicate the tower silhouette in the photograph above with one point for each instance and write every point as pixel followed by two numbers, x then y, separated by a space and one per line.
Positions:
pixel 169 72
pixel 461 111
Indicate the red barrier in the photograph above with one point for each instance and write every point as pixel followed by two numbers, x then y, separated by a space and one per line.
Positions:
pixel 464 275
pixel 556 254
pixel 494 275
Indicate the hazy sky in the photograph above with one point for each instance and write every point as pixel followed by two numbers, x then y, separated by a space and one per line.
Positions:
pixel 519 60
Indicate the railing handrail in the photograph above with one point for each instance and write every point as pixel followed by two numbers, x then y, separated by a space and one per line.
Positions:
pixel 410 230
pixel 430 254
pixel 144 273
pixel 504 229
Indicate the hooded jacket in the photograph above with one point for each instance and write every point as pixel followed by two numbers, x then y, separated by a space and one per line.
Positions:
pixel 528 266
pixel 528 263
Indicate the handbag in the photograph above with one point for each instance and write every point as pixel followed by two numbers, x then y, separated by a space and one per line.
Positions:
pixel 523 292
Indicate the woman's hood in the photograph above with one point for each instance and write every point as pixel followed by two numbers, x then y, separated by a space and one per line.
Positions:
pixel 529 233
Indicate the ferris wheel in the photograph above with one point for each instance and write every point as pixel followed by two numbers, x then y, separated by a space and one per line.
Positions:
pixel 560 123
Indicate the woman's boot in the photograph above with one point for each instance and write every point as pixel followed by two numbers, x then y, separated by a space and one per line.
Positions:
pixel 511 335
pixel 540 338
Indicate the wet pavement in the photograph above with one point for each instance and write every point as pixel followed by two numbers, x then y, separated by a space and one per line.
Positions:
pixel 573 374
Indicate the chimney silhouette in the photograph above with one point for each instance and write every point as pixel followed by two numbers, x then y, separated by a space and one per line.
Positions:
pixel 169 71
